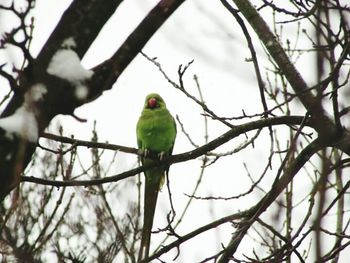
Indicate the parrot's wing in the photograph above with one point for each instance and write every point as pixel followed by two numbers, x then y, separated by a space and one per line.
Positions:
pixel 139 139
pixel 139 143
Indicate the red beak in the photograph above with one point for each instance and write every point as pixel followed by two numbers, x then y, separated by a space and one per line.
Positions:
pixel 152 103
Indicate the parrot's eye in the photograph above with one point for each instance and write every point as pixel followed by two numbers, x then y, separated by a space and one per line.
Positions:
pixel 152 103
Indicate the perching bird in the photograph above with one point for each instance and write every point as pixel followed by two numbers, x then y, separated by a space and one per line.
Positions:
pixel 156 132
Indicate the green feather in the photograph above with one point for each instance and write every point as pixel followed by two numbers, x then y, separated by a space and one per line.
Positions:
pixel 156 132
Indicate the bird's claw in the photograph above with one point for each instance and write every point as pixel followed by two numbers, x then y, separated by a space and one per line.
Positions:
pixel 145 152
pixel 161 155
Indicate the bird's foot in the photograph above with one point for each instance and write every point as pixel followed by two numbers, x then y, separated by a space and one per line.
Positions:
pixel 145 152
pixel 161 155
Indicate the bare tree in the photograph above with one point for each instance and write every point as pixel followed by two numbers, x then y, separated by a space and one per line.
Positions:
pixel 46 216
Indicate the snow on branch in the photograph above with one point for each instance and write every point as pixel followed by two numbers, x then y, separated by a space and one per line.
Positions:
pixel 23 123
pixel 66 65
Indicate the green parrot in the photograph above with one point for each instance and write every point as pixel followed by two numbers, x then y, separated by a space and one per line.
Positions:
pixel 156 132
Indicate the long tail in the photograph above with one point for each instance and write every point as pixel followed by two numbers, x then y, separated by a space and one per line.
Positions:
pixel 152 184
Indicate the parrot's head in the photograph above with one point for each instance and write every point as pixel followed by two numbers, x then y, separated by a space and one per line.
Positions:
pixel 154 101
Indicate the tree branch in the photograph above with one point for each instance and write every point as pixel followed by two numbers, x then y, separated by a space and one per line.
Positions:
pixel 108 72
pixel 90 144
pixel 270 197
pixel 324 126
pixel 229 135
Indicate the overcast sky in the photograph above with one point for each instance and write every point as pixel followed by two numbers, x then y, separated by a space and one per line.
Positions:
pixel 202 31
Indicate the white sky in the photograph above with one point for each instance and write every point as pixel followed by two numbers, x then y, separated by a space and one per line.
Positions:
pixel 228 85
